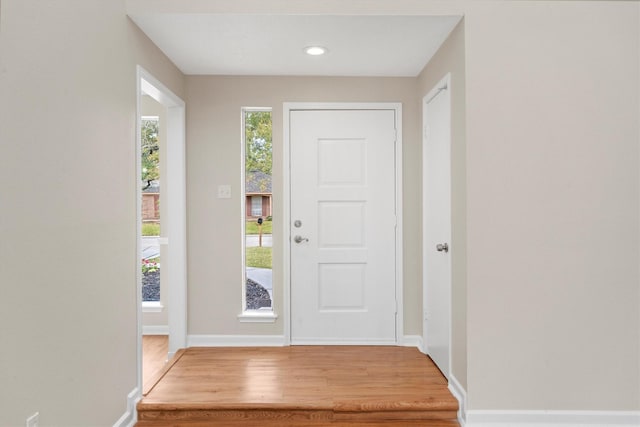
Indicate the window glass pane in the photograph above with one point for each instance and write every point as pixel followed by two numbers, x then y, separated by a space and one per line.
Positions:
pixel 258 289
pixel 256 205
pixel 150 168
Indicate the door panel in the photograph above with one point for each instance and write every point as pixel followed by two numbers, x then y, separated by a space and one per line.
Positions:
pixel 343 195
pixel 437 228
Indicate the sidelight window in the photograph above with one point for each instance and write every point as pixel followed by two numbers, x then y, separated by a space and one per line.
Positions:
pixel 257 296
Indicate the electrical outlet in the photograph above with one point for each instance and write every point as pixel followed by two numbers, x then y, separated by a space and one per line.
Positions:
pixel 224 191
pixel 32 421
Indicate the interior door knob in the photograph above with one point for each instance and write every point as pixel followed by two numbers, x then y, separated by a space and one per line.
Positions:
pixel 442 247
pixel 300 239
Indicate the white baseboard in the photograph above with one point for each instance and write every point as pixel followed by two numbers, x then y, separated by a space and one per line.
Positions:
pixel 479 418
pixel 155 329
pixel 461 395
pixel 412 341
pixel 341 341
pixel 130 417
pixel 235 341
pixel 262 340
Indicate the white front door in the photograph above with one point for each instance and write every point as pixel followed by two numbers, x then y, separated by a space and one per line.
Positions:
pixel 343 225
pixel 437 225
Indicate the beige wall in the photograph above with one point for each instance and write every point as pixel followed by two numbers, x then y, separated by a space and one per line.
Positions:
pixel 450 59
pixel 213 158
pixel 552 169
pixel 68 277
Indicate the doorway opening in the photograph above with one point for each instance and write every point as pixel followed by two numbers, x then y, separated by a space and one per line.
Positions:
pixel 161 115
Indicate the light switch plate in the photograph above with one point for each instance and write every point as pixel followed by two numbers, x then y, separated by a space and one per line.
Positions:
pixel 224 191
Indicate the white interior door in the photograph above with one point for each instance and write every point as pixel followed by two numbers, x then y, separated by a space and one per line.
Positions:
pixel 437 225
pixel 343 225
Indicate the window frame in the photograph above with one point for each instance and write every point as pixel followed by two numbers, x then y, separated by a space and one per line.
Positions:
pixel 265 314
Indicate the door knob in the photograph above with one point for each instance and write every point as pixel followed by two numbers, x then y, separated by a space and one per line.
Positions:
pixel 442 247
pixel 300 239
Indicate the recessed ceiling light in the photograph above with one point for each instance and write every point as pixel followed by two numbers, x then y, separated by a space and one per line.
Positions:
pixel 315 50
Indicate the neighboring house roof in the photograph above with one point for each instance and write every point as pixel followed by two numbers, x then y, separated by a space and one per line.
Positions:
pixel 257 182
pixel 153 188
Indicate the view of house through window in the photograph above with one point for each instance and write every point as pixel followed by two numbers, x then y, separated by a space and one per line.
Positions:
pixel 257 214
pixel 150 167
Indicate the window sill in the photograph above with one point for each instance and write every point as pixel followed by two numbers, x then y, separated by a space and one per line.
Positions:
pixel 152 307
pixel 258 316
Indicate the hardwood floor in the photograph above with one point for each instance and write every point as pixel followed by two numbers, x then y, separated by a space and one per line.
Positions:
pixel 300 386
pixel 154 357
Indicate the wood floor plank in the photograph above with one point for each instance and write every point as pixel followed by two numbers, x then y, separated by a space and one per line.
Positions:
pixel 154 357
pixel 308 385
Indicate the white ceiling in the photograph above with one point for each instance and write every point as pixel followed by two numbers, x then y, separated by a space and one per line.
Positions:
pixel 273 44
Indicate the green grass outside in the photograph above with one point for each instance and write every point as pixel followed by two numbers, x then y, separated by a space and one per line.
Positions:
pixel 150 229
pixel 252 227
pixel 259 257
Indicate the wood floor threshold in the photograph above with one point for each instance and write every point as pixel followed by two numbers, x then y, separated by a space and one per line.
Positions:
pixel 299 386
pixel 281 423
pixel 337 407
pixel 167 367
pixel 288 414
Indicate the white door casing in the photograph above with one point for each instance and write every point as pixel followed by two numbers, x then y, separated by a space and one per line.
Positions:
pixel 343 192
pixel 437 224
